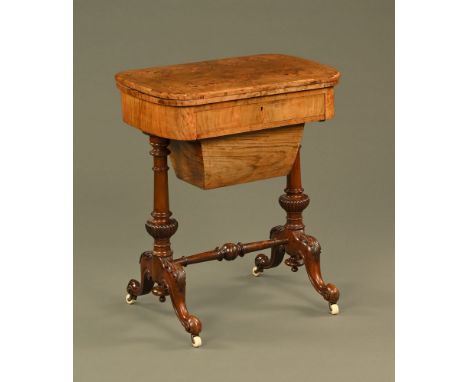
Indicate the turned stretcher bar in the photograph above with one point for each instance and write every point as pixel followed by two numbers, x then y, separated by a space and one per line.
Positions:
pixel 229 251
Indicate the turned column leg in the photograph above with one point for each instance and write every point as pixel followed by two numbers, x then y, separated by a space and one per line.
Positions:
pixel 303 249
pixel 167 277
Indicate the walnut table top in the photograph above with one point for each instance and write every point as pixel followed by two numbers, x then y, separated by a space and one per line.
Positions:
pixel 226 96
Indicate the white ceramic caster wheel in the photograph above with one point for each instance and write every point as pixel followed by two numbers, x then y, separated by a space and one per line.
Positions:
pixel 256 272
pixel 334 309
pixel 130 299
pixel 196 341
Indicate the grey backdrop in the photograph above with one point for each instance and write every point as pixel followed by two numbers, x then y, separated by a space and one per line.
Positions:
pixel 275 327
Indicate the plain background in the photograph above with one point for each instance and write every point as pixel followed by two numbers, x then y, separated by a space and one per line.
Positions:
pixel 273 327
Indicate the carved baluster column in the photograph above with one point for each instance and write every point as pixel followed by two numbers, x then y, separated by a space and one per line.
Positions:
pixel 169 276
pixel 161 227
pixel 294 201
pixel 304 249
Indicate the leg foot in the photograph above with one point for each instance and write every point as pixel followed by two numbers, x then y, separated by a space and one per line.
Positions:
pixel 277 253
pixel 256 271
pixel 137 288
pixel 173 276
pixel 310 250
pixel 196 341
pixel 334 309
pixel 130 299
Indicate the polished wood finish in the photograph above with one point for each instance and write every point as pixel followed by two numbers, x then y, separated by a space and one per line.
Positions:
pixel 227 122
pixel 230 251
pixel 229 96
pixel 228 79
pixel 235 159
pixel 303 249
pixel 163 275
pixel 233 120
pixel 168 276
pixel 225 118
pixel 146 283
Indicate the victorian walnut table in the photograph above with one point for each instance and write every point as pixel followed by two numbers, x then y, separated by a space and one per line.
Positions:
pixel 225 122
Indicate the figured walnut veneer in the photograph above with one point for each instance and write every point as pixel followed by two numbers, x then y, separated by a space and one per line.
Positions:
pixel 225 118
pixel 228 96
pixel 234 78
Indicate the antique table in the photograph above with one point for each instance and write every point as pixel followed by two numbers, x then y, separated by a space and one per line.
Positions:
pixel 224 122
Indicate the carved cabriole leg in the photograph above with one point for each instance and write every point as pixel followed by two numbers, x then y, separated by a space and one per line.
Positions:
pixel 303 249
pixel 310 248
pixel 277 253
pixel 136 288
pixel 173 278
pixel 170 277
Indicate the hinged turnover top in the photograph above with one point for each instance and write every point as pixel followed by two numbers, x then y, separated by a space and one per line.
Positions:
pixel 227 79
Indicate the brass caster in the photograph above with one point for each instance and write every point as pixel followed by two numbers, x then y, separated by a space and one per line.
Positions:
pixel 334 309
pixel 130 299
pixel 294 268
pixel 196 341
pixel 162 298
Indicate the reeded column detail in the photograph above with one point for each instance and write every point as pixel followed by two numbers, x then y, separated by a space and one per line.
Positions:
pixel 161 226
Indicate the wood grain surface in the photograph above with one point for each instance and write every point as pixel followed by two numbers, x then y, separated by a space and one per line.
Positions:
pixel 240 158
pixel 228 96
pixel 226 118
pixel 228 79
